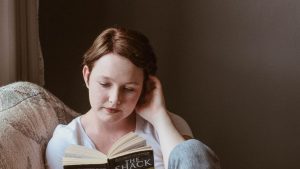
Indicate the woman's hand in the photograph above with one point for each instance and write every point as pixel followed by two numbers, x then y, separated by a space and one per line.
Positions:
pixel 153 106
pixel 154 111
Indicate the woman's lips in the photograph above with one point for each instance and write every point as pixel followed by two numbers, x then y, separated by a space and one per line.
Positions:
pixel 112 110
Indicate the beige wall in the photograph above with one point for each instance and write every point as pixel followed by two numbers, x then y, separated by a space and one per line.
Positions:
pixel 230 68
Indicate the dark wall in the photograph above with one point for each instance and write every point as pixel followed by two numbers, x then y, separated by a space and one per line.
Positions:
pixel 230 68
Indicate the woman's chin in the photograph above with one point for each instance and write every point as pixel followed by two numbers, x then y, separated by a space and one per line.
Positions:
pixel 106 117
pixel 111 116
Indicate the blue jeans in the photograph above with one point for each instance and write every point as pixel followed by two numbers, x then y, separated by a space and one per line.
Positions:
pixel 193 154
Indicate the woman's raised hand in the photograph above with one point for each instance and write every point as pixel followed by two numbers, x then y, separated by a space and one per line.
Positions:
pixel 153 105
pixel 154 111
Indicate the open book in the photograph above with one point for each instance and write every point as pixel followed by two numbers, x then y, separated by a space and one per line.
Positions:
pixel 129 152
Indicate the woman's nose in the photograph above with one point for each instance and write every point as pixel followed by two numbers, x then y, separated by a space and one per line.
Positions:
pixel 114 97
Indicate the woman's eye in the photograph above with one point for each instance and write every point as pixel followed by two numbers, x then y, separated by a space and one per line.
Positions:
pixel 129 89
pixel 104 84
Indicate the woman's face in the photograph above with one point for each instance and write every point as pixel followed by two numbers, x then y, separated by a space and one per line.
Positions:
pixel 115 85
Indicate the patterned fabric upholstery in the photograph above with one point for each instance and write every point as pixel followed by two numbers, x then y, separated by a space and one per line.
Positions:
pixel 28 117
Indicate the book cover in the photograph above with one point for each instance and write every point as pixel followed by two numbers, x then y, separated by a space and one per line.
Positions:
pixel 138 160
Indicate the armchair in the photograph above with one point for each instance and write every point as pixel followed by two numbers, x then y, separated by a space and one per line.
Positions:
pixel 28 117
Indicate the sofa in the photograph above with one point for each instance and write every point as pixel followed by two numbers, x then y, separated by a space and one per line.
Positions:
pixel 28 116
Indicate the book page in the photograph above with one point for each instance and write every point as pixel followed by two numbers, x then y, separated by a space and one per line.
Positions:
pixel 132 144
pixel 78 151
pixel 83 161
pixel 140 149
pixel 126 138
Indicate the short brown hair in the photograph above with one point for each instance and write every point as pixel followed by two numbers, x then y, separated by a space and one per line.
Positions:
pixel 130 44
pixel 125 42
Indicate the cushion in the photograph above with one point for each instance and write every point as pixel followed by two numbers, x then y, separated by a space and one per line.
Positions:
pixel 28 117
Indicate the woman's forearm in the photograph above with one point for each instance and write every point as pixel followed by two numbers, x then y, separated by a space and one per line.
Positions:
pixel 168 135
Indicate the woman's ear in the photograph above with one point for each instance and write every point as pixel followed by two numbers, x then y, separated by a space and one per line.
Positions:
pixel 86 75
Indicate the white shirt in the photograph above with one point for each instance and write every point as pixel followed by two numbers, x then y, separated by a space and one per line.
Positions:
pixel 73 133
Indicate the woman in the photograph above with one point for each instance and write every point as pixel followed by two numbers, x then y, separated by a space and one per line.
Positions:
pixel 125 95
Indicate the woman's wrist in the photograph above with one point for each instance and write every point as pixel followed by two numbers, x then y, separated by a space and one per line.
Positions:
pixel 161 120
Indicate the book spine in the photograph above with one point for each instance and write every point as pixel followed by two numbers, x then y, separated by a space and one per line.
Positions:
pixel 138 160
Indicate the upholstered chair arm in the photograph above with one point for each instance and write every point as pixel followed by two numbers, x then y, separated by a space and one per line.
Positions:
pixel 28 117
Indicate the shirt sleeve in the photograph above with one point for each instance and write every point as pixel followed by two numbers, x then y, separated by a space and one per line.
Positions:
pixel 181 125
pixel 56 147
